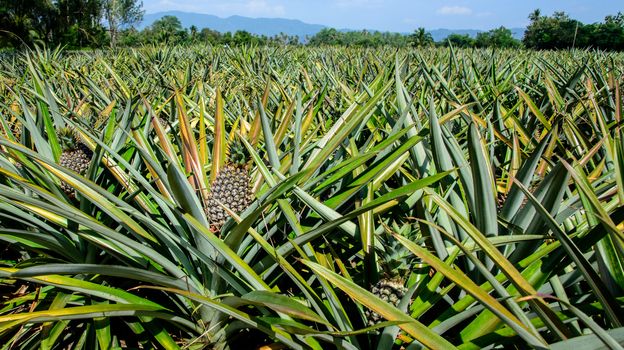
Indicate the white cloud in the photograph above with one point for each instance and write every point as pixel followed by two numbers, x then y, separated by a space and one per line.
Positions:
pixel 454 10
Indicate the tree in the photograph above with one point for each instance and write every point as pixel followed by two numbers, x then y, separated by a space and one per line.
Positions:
pixel 25 21
pixel 499 37
pixel 165 29
pixel 420 37
pixel 78 23
pixel 242 37
pixel 535 15
pixel 226 38
pixel 130 37
pixel 74 23
pixel 608 35
pixel 209 36
pixel 193 33
pixel 617 20
pixel 459 40
pixel 558 31
pixel 283 39
pixel 327 36
pixel 293 40
pixel 121 13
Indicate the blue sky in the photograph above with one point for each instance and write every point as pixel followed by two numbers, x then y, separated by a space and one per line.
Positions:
pixel 397 15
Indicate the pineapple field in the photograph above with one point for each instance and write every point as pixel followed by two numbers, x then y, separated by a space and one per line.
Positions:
pixel 311 198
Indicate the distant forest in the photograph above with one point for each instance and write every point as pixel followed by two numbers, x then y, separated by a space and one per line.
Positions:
pixel 77 24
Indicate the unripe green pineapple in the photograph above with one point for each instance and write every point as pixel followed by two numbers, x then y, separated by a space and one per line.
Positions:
pixel 76 156
pixel 231 188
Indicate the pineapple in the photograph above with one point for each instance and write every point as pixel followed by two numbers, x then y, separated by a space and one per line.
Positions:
pixel 231 188
pixel 396 263
pixel 76 156
pixel 390 290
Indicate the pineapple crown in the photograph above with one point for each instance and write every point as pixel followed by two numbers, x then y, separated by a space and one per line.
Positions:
pixel 238 153
pixel 68 138
pixel 396 259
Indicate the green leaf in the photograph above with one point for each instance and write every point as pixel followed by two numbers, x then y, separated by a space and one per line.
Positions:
pixel 78 312
pixel 484 208
pixel 590 341
pixel 283 304
pixel 219 148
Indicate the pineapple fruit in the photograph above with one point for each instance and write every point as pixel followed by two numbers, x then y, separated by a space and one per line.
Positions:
pixel 231 187
pixel 76 156
pixel 390 290
pixel 396 261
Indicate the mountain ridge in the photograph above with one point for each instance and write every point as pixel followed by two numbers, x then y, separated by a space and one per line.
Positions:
pixel 274 26
pixel 259 26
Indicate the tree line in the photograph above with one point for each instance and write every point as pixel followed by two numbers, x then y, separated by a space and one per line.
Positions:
pixel 499 37
pixel 72 23
pixel 168 29
pixel 559 31
pixel 555 32
pixel 99 23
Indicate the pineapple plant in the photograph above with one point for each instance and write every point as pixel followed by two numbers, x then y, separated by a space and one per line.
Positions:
pixel 76 156
pixel 231 188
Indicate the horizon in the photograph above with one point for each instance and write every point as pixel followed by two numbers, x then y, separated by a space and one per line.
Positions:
pixel 383 16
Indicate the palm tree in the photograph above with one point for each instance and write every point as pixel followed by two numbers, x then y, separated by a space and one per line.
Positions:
pixel 420 37
pixel 535 15
pixel 193 32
